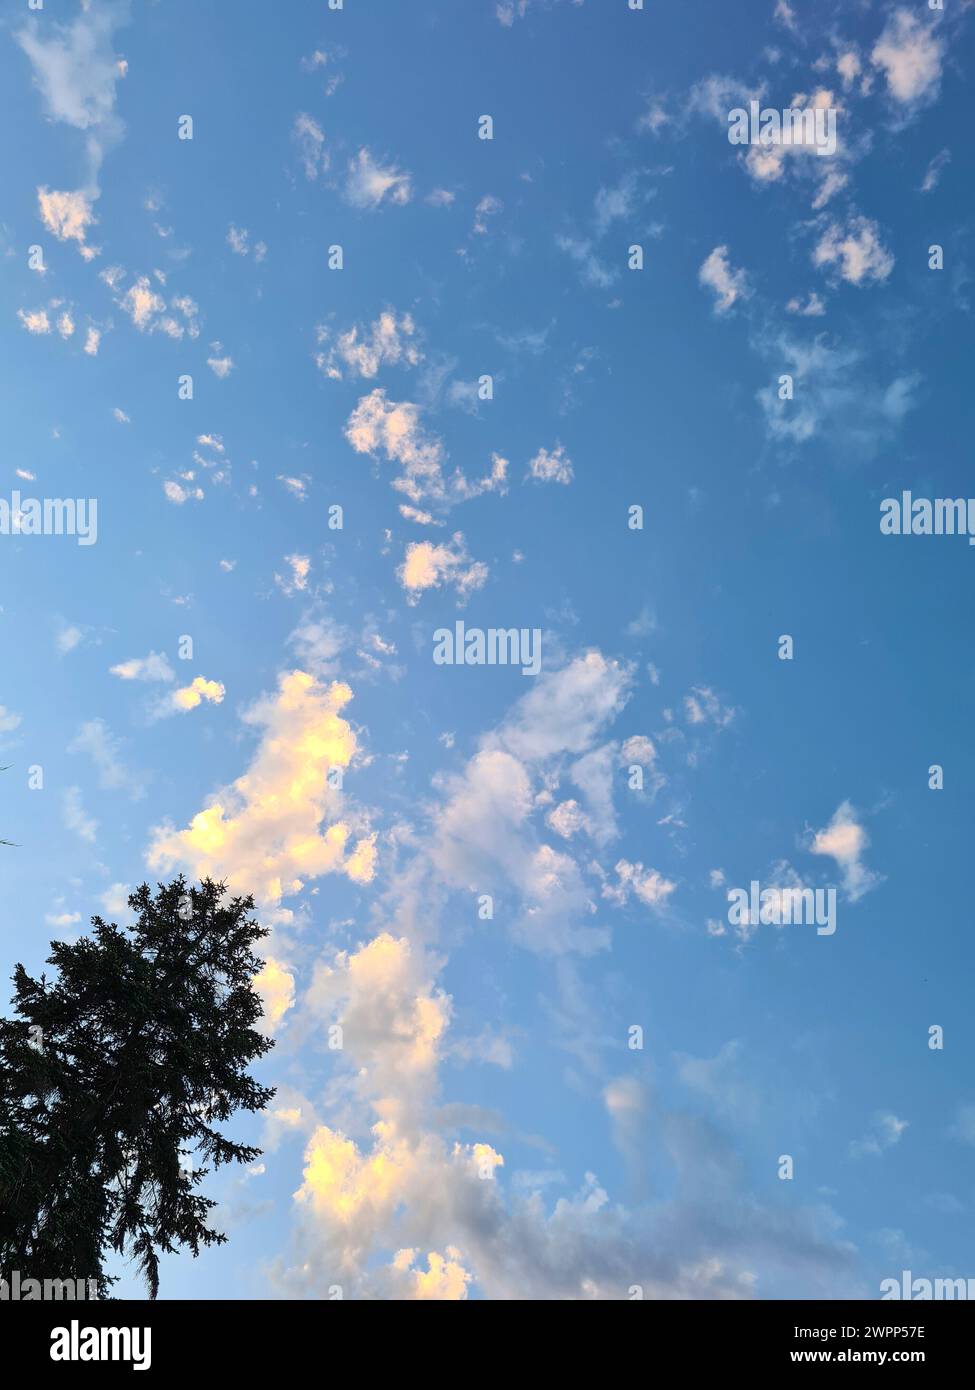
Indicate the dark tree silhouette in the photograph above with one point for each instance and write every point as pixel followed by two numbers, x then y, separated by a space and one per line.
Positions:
pixel 113 1078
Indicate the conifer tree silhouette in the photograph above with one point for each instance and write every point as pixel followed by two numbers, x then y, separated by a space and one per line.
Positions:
pixel 114 1078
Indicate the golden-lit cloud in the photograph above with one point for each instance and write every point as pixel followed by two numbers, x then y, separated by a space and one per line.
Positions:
pixel 343 1185
pixel 35 320
pixel 355 1197
pixel 67 216
pixel 276 986
pixel 281 823
pixel 429 566
pixel 444 1279
pixel 141 303
pixel 199 689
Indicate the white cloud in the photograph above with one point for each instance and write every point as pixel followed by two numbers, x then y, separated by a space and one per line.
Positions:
pixel 717 94
pixel 141 302
pixel 418 517
pixel 593 774
pixel 832 183
pixel 856 249
pixel 649 886
pixel 96 739
pixel 567 819
pixel 885 1132
pixel 482 832
pixel 76 69
pixel 592 270
pixel 377 423
pixel 154 667
pixel 719 1079
pixel 934 170
pixel 482 836
pixel 729 285
pixel 429 566
pixel 786 15
pixel 371 183
pixel 627 1102
pixel 8 720
pixel 67 216
pixel 507 11
pixel 395 429
pixel 177 494
pixel 554 467
pixel 702 706
pixel 62 919
pixel 655 117
pixel 488 206
pixel 185 306
pixel 67 638
pixel 115 900
pixel 638 749
pixel 75 817
pixel 616 203
pixel 400 1194
pixel 298 487
pixel 221 366
pixel 910 52
pixel 964 1123
pixel 238 239
pixel 387 342
pixel 845 840
pixel 849 67
pixel 296 582
pixel 310 139
pixel 400 1210
pixel 393 1022
pixel 812 308
pixel 35 320
pixel 73 66
pixel 564 709
pixel 836 401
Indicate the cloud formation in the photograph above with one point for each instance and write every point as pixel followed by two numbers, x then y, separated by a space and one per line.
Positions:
pixel 845 840
pixel 370 183
pixel 429 566
pixel 729 285
pixel 280 824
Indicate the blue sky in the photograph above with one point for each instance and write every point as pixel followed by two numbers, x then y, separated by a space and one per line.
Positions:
pixel 486 1129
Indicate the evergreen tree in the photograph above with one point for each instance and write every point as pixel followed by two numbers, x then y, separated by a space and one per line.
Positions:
pixel 114 1078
